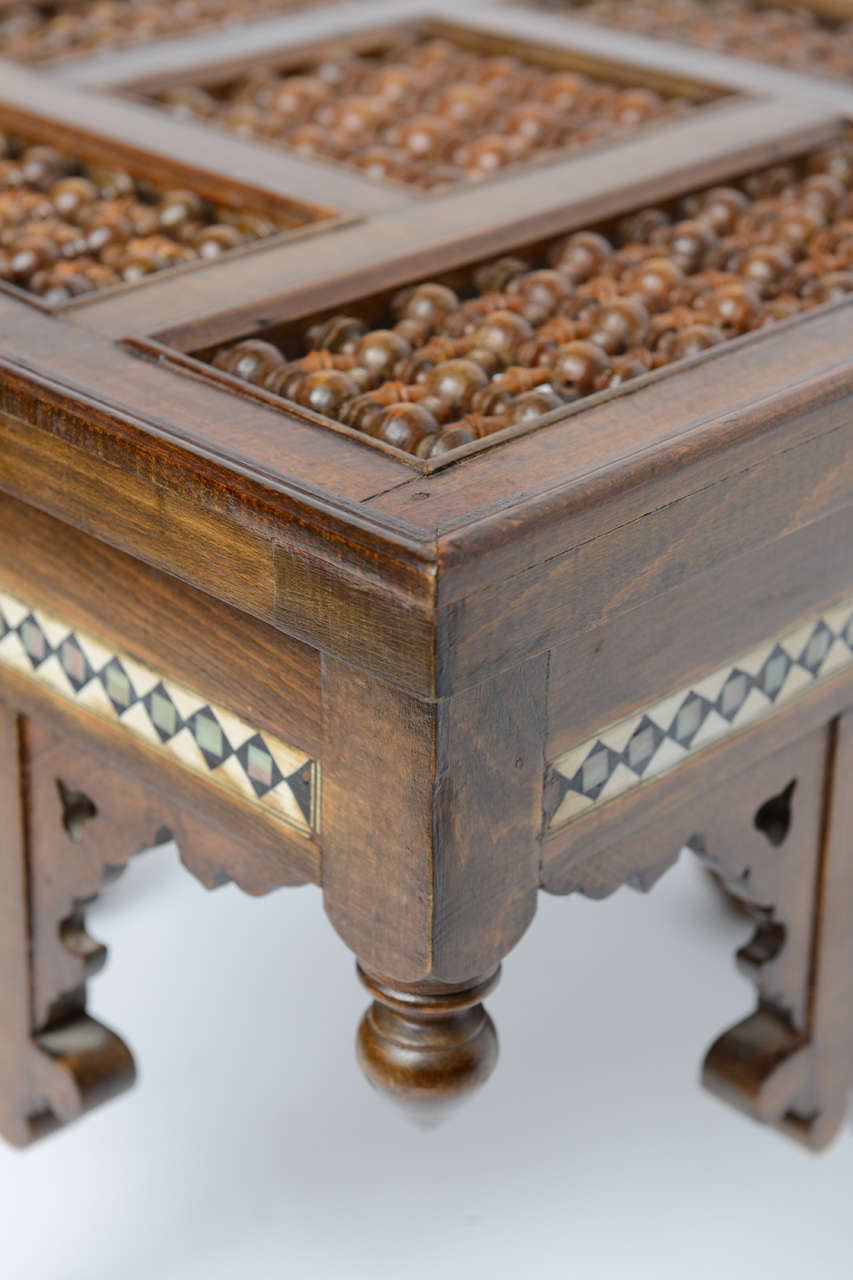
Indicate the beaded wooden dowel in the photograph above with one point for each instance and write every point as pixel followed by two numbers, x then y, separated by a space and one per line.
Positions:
pixel 68 228
pixel 521 337
pixel 422 110
pixel 817 40
pixel 34 33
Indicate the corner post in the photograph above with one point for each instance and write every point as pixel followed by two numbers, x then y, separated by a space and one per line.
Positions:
pixel 431 852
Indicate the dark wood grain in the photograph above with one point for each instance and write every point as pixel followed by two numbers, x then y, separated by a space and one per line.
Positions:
pixel 456 812
pixel 432 632
pixel 676 538
pixel 430 876
pixel 255 671
pixel 720 613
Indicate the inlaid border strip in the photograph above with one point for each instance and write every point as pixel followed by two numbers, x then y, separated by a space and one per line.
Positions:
pixel 646 745
pixel 183 726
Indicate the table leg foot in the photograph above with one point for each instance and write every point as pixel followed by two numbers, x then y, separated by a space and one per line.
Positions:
pixel 78 1066
pixel 427 1045
pixel 758 1066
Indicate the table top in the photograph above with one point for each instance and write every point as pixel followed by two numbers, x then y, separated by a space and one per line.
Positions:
pixel 117 425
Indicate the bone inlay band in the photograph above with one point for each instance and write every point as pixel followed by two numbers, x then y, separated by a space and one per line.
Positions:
pixel 186 729
pixel 650 743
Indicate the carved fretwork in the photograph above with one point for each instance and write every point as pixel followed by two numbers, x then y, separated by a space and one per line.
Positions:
pixel 79 821
pixel 771 834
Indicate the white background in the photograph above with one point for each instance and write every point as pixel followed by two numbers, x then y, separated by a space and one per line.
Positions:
pixel 252 1149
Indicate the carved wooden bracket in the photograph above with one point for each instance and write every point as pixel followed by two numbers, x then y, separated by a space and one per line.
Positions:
pixel 72 821
pixel 777 835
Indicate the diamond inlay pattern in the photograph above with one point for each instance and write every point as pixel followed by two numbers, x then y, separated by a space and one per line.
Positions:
pixel 649 743
pixel 194 733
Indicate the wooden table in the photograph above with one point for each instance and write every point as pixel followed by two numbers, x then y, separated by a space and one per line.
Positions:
pixel 548 660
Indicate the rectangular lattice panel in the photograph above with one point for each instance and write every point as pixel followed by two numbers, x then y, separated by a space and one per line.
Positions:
pixel 813 39
pixel 429 106
pixel 504 345
pixel 38 33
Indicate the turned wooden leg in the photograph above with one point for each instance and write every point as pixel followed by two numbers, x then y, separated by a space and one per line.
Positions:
pixel 427 1045
pixel 432 877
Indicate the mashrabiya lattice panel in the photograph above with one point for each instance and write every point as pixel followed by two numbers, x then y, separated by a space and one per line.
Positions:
pixel 192 732
pixel 650 743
